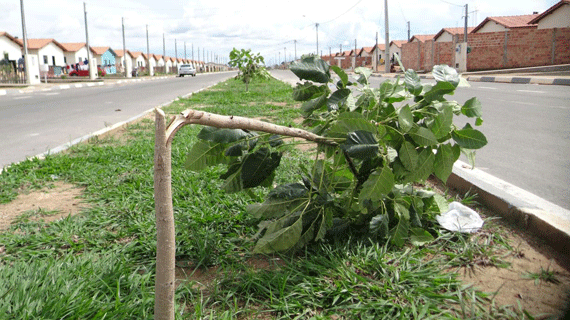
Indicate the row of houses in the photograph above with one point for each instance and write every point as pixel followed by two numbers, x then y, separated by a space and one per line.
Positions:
pixel 498 42
pixel 59 56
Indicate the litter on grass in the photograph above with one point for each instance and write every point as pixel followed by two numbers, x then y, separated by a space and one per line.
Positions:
pixel 460 218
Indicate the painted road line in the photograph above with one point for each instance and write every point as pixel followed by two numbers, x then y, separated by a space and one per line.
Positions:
pixel 488 88
pixel 22 97
pixel 51 93
pixel 531 91
pixel 78 85
pixel 2 92
pixel 46 89
pixel 90 84
pixel 64 86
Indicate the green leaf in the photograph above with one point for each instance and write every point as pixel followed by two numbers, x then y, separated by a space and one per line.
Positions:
pixel 377 186
pixel 314 104
pixel 470 155
pixel 469 138
pixel 218 135
pixel 420 237
pixel 280 240
pixel 472 108
pixel 444 160
pixel 341 74
pixel 423 137
pixel 400 232
pixel 311 68
pixel 405 118
pixel 338 97
pixel 408 156
pixel 360 145
pixel 436 92
pixel 441 204
pixel 424 168
pixel 348 122
pixel 379 225
pixel 442 123
pixel 204 154
pixel 445 73
pixel 258 166
pixel 307 90
pixel 364 75
pixel 412 82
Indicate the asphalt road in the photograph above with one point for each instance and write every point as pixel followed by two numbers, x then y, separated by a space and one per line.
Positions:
pixel 35 122
pixel 528 130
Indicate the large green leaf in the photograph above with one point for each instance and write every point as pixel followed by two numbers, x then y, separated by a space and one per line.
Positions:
pixel 360 145
pixel 348 122
pixel 341 74
pixel 445 73
pixel 405 118
pixel 472 108
pixel 437 92
pixel 218 135
pixel 338 97
pixel 258 166
pixel 364 75
pixel 444 160
pixel 469 138
pixel 312 69
pixel 379 225
pixel 408 156
pixel 400 232
pixel 307 90
pixel 442 123
pixel 314 104
pixel 204 154
pixel 424 168
pixel 281 239
pixel 420 237
pixel 377 186
pixel 423 136
pixel 412 82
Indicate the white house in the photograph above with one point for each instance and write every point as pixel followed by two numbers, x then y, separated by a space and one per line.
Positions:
pixel 48 51
pixel 120 61
pixel 396 47
pixel 167 64
pixel 10 48
pixel 139 60
pixel 74 52
pixel 557 16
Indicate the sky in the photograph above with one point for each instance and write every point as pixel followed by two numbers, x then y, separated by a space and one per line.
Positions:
pixel 275 29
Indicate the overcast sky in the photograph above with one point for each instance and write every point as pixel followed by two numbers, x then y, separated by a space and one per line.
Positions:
pixel 268 27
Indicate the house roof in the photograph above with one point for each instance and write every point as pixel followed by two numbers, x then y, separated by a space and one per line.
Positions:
pixel 453 31
pixel 73 46
pixel 9 36
pixel 509 22
pixel 422 37
pixel 36 44
pixel 157 56
pixel 99 50
pixel 549 11
pixel 121 53
pixel 398 43
pixel 135 54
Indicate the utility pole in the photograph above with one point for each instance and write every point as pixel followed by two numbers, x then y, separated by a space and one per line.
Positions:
pixel 330 51
pixel 163 47
pixel 27 64
pixel 340 49
pixel 198 53
pixel 408 30
pixel 466 17
pixel 285 54
pixel 375 51
pixel 184 50
pixel 387 39
pixel 295 49
pixel 317 25
pixel 175 50
pixel 124 48
pixel 147 49
pixel 193 51
pixel 87 43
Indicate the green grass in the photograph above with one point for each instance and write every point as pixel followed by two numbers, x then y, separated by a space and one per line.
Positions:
pixel 100 264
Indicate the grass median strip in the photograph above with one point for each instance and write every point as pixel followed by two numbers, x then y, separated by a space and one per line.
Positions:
pixel 100 263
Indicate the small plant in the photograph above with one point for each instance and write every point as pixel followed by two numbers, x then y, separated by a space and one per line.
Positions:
pixel 376 148
pixel 543 275
pixel 250 66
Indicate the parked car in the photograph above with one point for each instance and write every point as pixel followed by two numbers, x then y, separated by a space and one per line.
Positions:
pixel 85 73
pixel 186 69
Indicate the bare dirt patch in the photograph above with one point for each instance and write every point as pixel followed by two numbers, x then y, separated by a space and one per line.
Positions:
pixel 51 203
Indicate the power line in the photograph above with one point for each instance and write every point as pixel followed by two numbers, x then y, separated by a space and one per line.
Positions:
pixel 343 13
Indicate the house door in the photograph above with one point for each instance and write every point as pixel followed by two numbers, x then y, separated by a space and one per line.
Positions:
pixel 53 60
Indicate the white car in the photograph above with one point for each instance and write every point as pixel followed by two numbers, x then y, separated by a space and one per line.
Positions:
pixel 186 69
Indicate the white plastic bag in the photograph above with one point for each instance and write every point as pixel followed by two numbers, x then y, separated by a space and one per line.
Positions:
pixel 460 218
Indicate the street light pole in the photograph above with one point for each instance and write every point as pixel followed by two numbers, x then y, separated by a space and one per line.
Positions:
pixel 124 48
pixel 27 65
pixel 387 40
pixel 317 25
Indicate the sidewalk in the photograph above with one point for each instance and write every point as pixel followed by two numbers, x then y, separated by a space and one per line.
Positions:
pixel 6 89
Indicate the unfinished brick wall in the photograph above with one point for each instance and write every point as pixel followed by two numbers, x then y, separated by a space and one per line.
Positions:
pixel 515 48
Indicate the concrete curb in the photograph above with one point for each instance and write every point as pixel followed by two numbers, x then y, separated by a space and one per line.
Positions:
pixel 523 80
pixel 531 213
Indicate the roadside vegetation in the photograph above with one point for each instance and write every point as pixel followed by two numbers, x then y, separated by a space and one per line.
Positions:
pixel 101 263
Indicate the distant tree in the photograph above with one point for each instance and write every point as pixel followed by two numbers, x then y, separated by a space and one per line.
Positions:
pixel 250 65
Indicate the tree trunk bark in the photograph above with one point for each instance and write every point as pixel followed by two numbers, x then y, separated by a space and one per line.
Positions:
pixel 165 242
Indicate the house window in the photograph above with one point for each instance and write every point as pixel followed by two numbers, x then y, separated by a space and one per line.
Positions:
pixel 5 55
pixel 45 60
pixel 65 60
pixel 53 60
